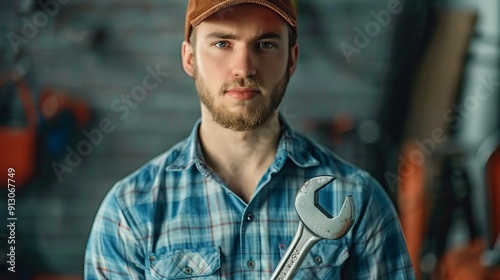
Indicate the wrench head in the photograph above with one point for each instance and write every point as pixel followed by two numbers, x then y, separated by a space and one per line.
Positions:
pixel 316 218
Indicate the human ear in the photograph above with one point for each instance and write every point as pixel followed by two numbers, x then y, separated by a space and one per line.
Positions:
pixel 294 53
pixel 188 58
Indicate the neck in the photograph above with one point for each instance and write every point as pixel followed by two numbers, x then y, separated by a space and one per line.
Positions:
pixel 222 146
pixel 240 158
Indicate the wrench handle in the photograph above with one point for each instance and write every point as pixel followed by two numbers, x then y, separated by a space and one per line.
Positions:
pixel 294 256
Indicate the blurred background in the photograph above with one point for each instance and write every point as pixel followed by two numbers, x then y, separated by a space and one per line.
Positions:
pixel 408 90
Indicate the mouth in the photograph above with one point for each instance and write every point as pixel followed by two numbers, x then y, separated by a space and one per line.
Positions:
pixel 243 93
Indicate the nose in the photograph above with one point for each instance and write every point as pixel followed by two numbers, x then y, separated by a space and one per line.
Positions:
pixel 243 63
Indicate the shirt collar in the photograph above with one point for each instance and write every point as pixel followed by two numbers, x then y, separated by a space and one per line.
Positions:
pixel 295 146
pixel 291 144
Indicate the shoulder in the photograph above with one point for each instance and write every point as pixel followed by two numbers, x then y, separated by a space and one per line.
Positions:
pixel 350 179
pixel 141 186
pixel 329 161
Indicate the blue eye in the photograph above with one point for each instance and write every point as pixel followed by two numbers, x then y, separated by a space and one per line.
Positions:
pixel 221 44
pixel 267 45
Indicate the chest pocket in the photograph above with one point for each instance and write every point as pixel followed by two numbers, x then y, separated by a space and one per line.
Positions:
pixel 324 261
pixel 200 263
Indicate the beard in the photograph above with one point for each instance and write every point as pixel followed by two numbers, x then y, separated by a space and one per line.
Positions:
pixel 255 115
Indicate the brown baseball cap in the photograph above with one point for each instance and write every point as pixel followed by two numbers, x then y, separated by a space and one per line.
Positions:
pixel 199 10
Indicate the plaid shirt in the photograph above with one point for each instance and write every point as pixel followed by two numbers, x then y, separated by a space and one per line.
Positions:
pixel 174 219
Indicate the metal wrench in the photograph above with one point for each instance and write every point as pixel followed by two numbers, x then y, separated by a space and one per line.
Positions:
pixel 315 224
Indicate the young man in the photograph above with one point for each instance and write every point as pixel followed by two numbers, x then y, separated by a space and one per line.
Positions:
pixel 220 204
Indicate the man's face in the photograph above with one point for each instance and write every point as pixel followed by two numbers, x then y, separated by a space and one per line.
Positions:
pixel 241 62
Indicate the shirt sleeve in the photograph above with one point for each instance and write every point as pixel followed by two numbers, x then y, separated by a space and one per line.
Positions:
pixel 112 250
pixel 379 250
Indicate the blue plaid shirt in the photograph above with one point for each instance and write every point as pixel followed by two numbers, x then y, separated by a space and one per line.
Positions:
pixel 175 219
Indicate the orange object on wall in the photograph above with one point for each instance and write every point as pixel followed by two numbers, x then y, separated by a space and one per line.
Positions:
pixel 464 264
pixel 18 144
pixel 493 183
pixel 54 100
pixel 413 201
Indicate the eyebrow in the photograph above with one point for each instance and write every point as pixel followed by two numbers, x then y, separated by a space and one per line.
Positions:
pixel 228 36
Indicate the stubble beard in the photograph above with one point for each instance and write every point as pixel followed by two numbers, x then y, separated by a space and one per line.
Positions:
pixel 252 118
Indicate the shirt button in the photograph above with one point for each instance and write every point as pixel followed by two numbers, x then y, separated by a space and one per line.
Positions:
pixel 188 270
pixel 318 260
pixel 250 217
pixel 251 264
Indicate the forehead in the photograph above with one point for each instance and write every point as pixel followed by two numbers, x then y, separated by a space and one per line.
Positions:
pixel 245 18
